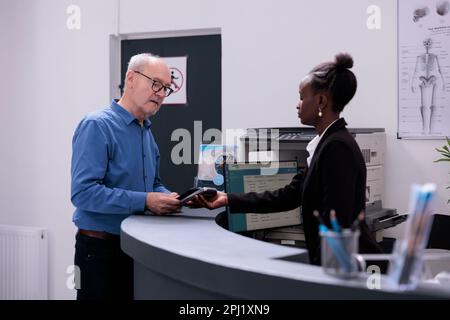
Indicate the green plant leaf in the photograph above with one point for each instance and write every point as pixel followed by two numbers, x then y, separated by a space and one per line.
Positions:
pixel 446 155
pixel 445 152
pixel 442 151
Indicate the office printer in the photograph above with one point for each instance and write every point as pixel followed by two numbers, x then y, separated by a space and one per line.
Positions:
pixel 283 144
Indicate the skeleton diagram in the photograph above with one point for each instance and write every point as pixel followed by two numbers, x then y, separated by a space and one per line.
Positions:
pixel 426 76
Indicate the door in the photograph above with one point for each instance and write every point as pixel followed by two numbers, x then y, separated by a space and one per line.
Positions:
pixel 203 89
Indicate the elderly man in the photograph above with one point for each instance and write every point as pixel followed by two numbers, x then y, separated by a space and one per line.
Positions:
pixel 115 173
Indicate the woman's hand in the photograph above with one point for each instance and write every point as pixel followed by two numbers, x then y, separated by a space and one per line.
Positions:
pixel 219 200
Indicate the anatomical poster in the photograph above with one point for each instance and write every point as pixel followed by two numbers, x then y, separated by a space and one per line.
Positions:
pixel 423 69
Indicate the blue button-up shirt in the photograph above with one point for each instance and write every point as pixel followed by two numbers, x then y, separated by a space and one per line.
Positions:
pixel 115 162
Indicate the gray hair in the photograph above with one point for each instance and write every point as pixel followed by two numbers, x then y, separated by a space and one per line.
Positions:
pixel 138 61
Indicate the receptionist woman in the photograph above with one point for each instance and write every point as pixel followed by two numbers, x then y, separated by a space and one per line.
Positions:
pixel 335 177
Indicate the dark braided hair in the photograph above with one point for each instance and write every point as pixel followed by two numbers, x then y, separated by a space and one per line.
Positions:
pixel 336 78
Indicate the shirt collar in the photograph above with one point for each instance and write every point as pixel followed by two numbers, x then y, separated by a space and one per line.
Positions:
pixel 328 127
pixel 315 141
pixel 125 115
pixel 312 145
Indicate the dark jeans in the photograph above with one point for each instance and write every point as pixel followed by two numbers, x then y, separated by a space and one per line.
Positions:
pixel 106 271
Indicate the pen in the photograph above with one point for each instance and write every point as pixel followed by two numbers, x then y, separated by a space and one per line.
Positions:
pixel 413 247
pixel 317 215
pixel 357 222
pixel 334 222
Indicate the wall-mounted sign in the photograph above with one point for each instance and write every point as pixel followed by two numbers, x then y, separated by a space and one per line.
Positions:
pixel 423 69
pixel 178 70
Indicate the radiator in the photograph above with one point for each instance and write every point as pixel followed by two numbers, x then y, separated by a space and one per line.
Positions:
pixel 23 263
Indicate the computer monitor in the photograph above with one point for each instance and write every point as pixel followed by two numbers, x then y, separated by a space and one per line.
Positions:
pixel 259 177
pixel 210 166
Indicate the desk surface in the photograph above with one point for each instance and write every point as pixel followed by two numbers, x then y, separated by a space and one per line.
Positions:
pixel 203 260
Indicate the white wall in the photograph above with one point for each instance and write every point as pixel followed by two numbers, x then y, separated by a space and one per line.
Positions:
pixel 54 76
pixel 267 48
pixel 4 93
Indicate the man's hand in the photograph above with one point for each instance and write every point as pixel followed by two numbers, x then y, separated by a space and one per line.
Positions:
pixel 219 200
pixel 162 203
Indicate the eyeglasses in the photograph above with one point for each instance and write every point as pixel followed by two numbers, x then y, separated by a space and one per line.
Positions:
pixel 157 86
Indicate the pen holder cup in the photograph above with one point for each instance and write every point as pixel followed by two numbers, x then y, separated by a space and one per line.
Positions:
pixel 407 267
pixel 339 253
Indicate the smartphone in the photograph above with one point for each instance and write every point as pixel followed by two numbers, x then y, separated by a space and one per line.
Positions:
pixel 191 193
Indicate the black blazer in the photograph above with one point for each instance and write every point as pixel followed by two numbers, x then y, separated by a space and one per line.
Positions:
pixel 336 179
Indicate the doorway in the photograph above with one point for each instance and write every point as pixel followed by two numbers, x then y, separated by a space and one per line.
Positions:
pixel 203 98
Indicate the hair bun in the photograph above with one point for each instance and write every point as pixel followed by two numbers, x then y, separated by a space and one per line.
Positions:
pixel 343 61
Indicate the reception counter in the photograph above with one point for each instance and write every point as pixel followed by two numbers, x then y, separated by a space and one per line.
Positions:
pixel 189 256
